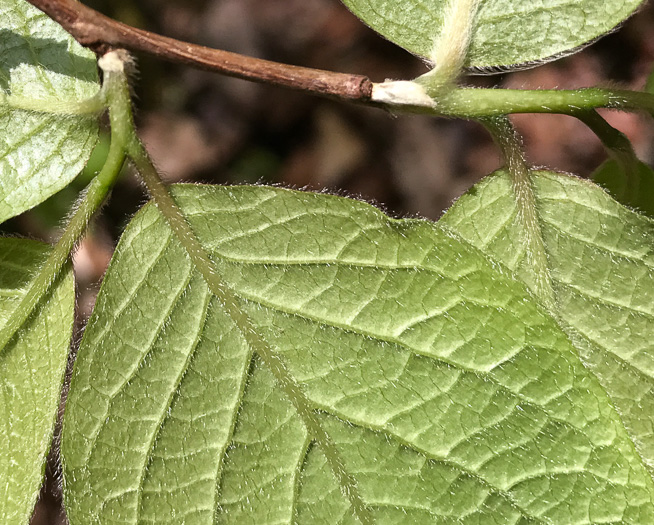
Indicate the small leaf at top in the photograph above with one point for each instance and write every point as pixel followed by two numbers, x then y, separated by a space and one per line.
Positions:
pixel 40 151
pixel 406 376
pixel 31 375
pixel 506 32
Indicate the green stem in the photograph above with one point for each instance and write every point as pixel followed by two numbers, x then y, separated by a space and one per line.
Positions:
pixel 479 103
pixel 615 142
pixel 227 297
pixel 617 145
pixel 510 144
pixel 495 102
pixel 92 199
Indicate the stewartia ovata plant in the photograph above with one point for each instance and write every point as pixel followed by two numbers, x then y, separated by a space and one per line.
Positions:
pixel 261 355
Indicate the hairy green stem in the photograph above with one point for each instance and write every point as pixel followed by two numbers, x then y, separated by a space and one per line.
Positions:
pixel 227 297
pixel 91 201
pixel 474 102
pixel 511 146
pixel 481 103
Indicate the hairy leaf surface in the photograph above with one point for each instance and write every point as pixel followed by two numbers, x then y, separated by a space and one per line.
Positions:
pixel 40 151
pixel 506 32
pixel 601 259
pixel 31 374
pixel 427 385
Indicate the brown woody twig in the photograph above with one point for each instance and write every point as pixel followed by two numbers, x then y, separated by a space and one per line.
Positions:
pixel 101 34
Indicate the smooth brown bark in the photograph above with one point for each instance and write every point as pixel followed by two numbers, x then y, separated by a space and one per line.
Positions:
pixel 101 34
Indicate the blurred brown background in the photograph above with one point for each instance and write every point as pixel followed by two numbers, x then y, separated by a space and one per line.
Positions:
pixel 202 127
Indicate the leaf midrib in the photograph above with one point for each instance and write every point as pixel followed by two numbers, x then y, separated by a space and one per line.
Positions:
pixel 306 409
pixel 570 331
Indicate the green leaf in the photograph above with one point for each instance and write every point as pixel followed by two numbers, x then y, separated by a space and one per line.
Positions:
pixel 32 369
pixel 42 66
pixel 633 189
pixel 506 33
pixel 414 379
pixel 601 262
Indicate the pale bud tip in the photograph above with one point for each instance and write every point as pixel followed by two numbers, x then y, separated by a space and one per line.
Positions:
pixel 401 93
pixel 114 61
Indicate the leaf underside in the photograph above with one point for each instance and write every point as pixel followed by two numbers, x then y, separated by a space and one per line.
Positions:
pixel 31 375
pixel 601 265
pixel 506 33
pixel 41 152
pixel 442 390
